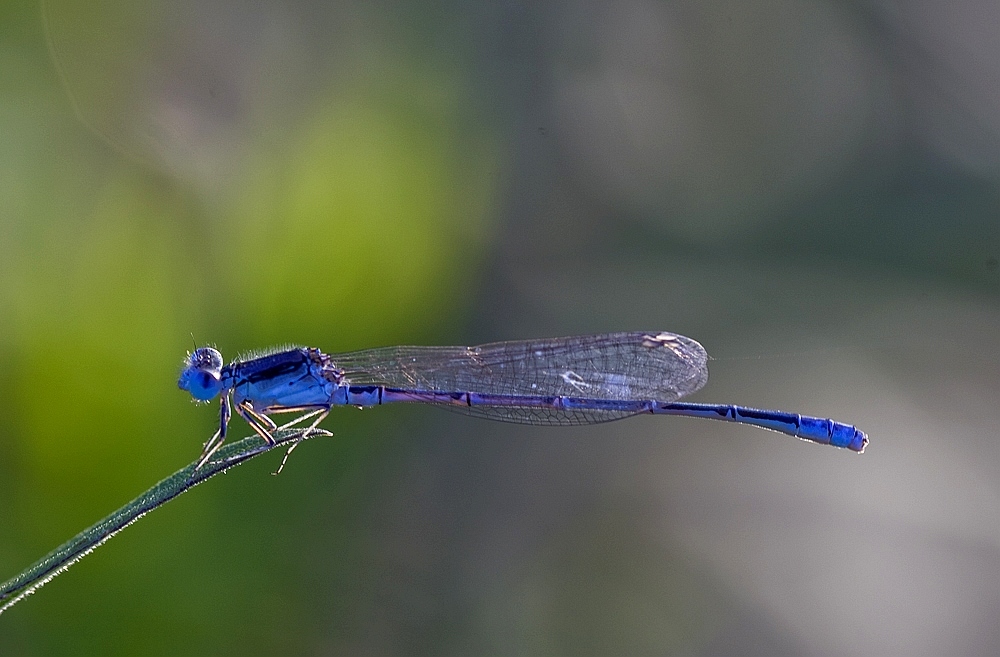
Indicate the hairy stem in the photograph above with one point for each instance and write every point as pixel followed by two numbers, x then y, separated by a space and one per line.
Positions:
pixel 59 560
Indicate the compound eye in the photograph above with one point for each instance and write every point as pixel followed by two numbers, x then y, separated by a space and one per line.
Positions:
pixel 202 384
pixel 202 375
pixel 205 385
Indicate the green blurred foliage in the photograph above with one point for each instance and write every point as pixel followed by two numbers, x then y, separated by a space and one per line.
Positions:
pixel 355 225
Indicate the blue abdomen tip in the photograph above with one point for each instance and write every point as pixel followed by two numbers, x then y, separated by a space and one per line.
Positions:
pixel 852 438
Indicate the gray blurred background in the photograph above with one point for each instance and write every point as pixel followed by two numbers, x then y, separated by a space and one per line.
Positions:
pixel 808 188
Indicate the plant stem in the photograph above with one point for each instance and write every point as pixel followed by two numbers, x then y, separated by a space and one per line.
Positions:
pixel 59 560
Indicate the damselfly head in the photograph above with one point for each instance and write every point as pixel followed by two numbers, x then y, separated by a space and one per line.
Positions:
pixel 202 373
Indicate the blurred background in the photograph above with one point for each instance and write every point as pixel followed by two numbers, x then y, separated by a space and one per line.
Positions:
pixel 810 188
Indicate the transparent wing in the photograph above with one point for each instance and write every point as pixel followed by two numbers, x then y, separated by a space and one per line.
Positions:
pixel 541 416
pixel 652 365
